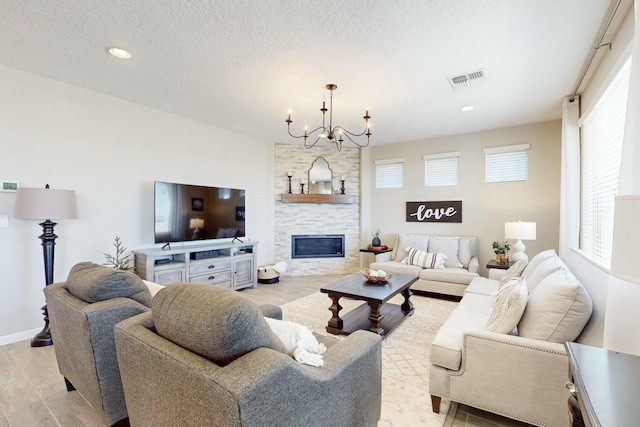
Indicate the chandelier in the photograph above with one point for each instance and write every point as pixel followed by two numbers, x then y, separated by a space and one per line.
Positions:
pixel 335 134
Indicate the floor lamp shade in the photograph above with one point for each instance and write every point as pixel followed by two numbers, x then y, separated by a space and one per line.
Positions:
pixel 45 204
pixel 519 231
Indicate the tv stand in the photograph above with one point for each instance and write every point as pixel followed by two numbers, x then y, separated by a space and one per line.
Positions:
pixel 228 264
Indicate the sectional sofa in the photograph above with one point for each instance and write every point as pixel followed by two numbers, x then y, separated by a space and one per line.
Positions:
pixel 449 274
pixel 501 350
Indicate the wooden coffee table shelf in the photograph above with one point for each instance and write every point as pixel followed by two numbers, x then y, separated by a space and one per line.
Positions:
pixel 376 314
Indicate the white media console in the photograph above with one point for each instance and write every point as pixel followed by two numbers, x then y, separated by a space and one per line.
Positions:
pixel 230 265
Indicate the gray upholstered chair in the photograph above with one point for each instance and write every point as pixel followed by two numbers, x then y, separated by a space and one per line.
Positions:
pixel 204 355
pixel 82 312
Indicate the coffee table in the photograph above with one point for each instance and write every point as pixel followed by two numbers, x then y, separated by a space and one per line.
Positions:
pixel 376 314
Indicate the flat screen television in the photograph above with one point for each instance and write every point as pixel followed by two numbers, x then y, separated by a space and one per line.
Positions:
pixel 185 212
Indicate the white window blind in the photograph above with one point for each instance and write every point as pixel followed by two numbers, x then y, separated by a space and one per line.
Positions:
pixel 509 163
pixel 441 169
pixel 389 173
pixel 601 150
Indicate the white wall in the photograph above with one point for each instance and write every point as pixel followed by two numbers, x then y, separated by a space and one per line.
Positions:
pixel 485 206
pixel 109 151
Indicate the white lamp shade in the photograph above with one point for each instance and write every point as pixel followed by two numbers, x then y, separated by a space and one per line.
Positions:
pixel 626 234
pixel 520 230
pixel 196 223
pixel 45 203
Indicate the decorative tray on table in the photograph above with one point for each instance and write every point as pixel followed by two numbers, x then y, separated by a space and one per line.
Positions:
pixel 376 276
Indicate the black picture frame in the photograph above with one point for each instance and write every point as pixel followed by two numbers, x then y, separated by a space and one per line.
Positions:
pixel 197 204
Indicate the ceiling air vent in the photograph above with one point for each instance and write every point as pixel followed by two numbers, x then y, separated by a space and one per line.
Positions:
pixel 468 79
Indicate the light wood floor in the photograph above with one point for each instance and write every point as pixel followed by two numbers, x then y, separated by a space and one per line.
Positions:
pixel 32 391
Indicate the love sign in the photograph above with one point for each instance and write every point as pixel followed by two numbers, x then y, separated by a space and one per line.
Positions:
pixel 447 211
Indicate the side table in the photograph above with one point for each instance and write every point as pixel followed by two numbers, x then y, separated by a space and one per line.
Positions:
pixel 498 269
pixel 605 385
pixel 374 252
pixel 499 265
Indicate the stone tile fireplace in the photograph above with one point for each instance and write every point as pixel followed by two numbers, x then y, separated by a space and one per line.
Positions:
pixel 304 219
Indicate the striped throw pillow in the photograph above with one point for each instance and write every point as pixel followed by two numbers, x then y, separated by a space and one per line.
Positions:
pixel 424 259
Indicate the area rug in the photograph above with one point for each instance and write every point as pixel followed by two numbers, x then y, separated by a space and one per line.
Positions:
pixel 405 355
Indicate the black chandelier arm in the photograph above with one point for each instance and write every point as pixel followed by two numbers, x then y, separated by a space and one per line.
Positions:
pixel 313 131
pixel 366 131
pixel 306 145
pixel 347 134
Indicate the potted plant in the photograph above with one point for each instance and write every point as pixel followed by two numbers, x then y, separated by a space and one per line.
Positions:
pixel 501 248
pixel 120 261
pixel 376 238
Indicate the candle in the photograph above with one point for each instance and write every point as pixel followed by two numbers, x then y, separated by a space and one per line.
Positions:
pixel 342 178
pixel 301 180
pixel 289 173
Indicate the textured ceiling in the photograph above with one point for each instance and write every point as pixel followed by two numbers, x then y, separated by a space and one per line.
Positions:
pixel 241 64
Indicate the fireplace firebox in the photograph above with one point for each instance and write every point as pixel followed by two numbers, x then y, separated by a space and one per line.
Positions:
pixel 317 246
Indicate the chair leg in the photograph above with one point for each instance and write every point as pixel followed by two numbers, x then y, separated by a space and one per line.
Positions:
pixel 122 423
pixel 70 386
pixel 435 403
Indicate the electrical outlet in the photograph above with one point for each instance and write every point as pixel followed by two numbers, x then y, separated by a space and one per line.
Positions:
pixel 4 220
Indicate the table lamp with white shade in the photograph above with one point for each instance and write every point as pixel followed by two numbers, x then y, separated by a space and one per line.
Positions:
pixel 197 224
pixel 520 231
pixel 45 204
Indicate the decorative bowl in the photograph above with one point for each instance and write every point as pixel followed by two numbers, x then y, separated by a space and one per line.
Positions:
pixel 375 278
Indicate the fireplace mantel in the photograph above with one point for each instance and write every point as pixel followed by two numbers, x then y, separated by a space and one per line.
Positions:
pixel 317 198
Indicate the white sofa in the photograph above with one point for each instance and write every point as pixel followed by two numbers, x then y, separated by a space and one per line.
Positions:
pixel 518 367
pixel 461 265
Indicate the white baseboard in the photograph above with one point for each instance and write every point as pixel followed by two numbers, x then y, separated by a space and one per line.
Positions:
pixel 20 336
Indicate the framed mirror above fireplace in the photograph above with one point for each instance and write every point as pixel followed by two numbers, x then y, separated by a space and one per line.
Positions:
pixel 320 177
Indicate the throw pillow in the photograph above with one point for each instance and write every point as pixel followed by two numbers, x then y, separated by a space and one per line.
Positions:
pixel 448 246
pixel 415 241
pixel 467 250
pixel 424 259
pixel 514 271
pixel 509 306
pixel 92 283
pixel 299 341
pixel 211 321
pixel 542 270
pixel 557 309
pixel 536 260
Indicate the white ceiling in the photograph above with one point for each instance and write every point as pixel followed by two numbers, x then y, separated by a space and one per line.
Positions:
pixel 241 64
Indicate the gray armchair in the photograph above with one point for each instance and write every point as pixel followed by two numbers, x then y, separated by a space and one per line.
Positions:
pixel 82 312
pixel 205 356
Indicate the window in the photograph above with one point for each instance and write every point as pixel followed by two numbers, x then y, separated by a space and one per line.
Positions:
pixel 602 134
pixel 389 173
pixel 509 163
pixel 441 169
pixel 162 207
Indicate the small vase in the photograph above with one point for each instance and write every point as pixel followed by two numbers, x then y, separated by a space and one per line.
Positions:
pixel 375 241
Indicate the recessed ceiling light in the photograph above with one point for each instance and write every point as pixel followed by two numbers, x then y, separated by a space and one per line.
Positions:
pixel 119 53
pixel 467 108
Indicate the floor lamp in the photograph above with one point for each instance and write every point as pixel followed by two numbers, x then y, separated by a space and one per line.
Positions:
pixel 40 203
pixel 520 231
